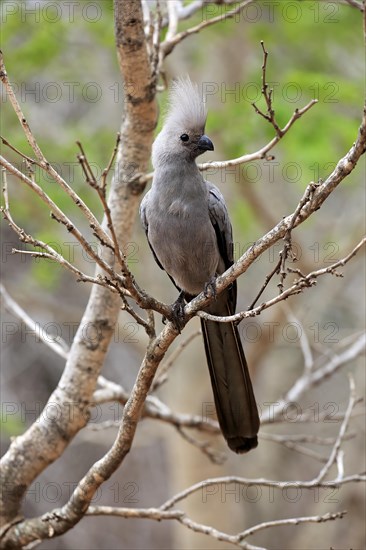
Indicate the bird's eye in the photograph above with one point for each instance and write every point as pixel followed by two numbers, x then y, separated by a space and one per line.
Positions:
pixel 184 137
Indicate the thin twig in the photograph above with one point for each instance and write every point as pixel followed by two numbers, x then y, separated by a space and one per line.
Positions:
pixel 293 442
pixel 215 456
pixel 58 215
pixel 147 325
pixel 166 366
pixel 50 253
pixel 287 249
pixel 100 188
pixel 333 455
pixel 261 153
pixel 270 115
pixel 317 481
pixel 304 341
pixel 308 380
pixel 56 343
pixel 87 169
pixel 43 162
pixel 168 45
pixel 355 4
pixel 265 284
pixel 13 148
pixel 103 182
pixel 126 282
pixel 173 7
pixel 291 521
pixel 298 286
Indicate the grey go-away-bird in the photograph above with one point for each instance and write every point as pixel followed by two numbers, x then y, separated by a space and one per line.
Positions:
pixel 189 231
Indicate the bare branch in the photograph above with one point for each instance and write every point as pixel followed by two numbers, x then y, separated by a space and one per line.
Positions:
pixel 270 115
pixel 187 11
pixel 265 284
pixel 317 481
pixel 280 267
pixel 215 456
pixel 79 378
pixel 56 519
pixel 29 160
pixel 304 341
pixel 168 45
pixel 50 253
pixel 307 417
pixel 250 482
pixel 291 521
pixel 147 513
pixel 293 442
pixel 173 17
pixel 280 133
pixel 355 4
pixel 124 284
pixel 333 455
pixel 166 366
pixel 305 281
pixel 58 215
pixel 261 153
pixel 101 190
pixel 154 408
pixel 287 249
pixel 237 540
pixel 42 161
pixel 310 379
pixel 57 345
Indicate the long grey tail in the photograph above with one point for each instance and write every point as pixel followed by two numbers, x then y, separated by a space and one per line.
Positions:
pixel 236 408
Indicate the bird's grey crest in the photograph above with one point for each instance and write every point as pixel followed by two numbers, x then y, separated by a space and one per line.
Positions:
pixel 186 106
pixel 186 114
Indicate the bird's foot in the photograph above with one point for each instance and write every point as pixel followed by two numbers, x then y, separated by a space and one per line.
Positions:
pixel 210 288
pixel 177 313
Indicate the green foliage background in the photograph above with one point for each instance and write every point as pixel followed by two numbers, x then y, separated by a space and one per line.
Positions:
pixel 67 79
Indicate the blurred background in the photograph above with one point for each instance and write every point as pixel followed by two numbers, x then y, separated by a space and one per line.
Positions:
pixel 61 60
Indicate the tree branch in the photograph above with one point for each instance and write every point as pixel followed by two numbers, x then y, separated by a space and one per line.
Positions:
pixel 343 168
pixel 305 281
pixel 167 510
pixel 84 362
pixel 310 379
pixel 261 153
pixel 355 4
pixel 169 43
pixel 43 162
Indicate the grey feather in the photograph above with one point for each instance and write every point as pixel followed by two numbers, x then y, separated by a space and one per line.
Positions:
pixel 186 106
pixel 189 231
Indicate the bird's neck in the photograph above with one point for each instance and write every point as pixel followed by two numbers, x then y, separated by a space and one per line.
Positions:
pixel 179 180
pixel 172 167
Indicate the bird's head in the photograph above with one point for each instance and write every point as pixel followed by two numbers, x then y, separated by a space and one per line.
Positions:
pixel 183 134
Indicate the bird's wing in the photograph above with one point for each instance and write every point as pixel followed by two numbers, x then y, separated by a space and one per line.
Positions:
pixel 143 208
pixel 221 223
pixel 145 225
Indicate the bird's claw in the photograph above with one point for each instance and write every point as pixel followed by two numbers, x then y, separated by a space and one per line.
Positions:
pixel 177 313
pixel 210 288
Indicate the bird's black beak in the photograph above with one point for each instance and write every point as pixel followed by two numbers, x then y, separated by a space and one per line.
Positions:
pixel 205 144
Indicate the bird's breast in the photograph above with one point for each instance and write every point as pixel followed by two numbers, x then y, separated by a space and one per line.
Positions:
pixel 185 243
pixel 179 210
